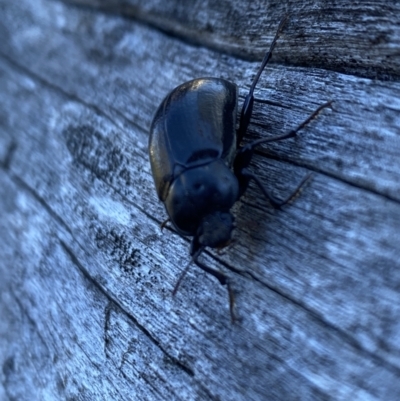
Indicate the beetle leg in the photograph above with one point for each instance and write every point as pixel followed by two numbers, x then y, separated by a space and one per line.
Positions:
pixel 171 228
pixel 249 176
pixel 224 280
pixel 277 204
pixel 244 175
pixel 178 283
pixel 186 269
pixel 231 303
pixel 164 223
pixel 217 274
pixel 245 154
pixel 290 134
pixel 247 108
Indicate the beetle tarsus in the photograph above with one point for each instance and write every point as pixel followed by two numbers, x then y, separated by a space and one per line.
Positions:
pixel 231 302
pixel 181 277
pixel 164 223
pixel 297 191
pixel 186 269
pixel 312 116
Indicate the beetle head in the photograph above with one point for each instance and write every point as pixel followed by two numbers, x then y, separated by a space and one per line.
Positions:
pixel 215 231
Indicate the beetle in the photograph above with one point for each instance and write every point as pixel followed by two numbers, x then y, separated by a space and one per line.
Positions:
pixel 198 164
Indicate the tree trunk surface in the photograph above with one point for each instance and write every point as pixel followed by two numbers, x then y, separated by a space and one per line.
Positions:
pixel 86 274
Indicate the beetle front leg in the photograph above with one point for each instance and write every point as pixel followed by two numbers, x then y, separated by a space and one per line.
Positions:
pixel 221 277
pixel 224 280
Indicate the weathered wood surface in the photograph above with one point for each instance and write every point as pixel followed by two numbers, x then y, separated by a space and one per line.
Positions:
pixel 358 36
pixel 86 274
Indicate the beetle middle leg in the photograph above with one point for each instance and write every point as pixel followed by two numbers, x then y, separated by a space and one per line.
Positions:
pixel 245 154
pixel 275 202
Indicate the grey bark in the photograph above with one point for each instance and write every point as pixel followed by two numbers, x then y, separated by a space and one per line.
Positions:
pixel 86 274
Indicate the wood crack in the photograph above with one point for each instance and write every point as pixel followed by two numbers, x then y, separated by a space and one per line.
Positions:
pixel 87 275
pixel 113 303
pixel 69 95
pixel 325 173
pixel 260 152
pixel 42 202
pixel 317 284
pixel 319 318
pixel 5 164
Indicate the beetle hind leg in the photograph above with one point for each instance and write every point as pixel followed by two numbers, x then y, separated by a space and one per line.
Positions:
pixel 247 108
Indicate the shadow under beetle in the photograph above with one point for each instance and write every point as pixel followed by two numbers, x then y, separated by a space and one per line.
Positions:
pixel 199 168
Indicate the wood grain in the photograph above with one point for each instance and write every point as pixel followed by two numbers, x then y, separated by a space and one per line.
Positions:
pixel 87 275
pixel 360 37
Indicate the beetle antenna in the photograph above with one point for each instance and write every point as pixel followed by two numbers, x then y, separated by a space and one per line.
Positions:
pixel 186 269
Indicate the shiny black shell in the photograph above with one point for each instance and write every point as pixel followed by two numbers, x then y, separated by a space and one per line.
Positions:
pixel 194 125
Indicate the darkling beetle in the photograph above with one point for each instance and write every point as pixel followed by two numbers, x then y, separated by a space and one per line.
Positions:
pixel 199 168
